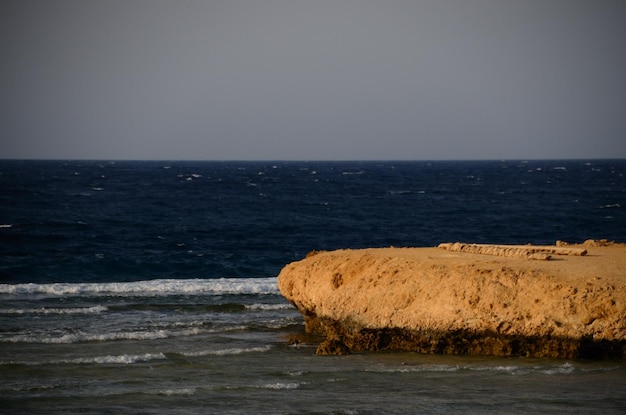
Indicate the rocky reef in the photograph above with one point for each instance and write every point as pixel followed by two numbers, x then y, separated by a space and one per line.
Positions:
pixel 465 299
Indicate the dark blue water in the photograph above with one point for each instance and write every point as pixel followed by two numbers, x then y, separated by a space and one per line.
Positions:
pixel 127 221
pixel 150 287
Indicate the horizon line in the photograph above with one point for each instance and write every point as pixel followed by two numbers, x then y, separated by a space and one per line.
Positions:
pixel 312 160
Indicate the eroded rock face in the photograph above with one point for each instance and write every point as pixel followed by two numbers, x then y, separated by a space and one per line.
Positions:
pixel 435 301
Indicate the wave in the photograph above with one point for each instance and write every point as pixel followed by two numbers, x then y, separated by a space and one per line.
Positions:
pixel 177 329
pixel 149 288
pixel 564 369
pixel 269 307
pixel 43 310
pixel 271 385
pixel 80 337
pixel 124 359
pixel 561 369
pixel 278 385
pixel 181 391
pixel 228 352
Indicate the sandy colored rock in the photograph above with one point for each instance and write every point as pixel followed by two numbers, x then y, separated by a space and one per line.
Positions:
pixel 519 251
pixel 439 301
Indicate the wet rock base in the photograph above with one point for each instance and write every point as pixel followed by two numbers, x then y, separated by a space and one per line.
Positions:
pixel 344 337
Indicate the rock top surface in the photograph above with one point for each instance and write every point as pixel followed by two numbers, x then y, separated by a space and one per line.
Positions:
pixel 437 300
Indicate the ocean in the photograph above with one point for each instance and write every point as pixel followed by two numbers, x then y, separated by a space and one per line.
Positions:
pixel 144 287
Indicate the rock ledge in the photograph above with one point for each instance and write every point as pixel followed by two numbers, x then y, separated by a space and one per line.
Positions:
pixel 436 300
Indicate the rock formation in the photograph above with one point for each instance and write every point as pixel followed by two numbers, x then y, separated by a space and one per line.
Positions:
pixel 436 300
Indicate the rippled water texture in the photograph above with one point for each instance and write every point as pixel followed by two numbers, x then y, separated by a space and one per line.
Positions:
pixel 150 287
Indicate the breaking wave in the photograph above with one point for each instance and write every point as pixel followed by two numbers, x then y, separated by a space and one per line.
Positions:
pixel 149 288
pixel 45 310
pixel 124 359
pixel 69 338
pixel 229 352
pixel 559 369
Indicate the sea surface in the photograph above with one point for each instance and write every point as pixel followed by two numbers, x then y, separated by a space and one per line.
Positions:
pixel 150 287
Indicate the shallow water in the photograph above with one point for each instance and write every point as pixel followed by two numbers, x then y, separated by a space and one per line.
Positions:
pixel 279 379
pixel 221 347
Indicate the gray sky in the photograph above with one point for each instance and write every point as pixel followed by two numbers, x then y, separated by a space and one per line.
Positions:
pixel 313 80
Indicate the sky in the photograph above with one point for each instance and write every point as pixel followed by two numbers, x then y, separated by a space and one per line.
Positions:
pixel 312 80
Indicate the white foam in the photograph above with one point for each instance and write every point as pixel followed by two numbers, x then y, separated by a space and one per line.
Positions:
pixel 269 307
pixel 79 337
pixel 124 359
pixel 181 391
pixel 43 310
pixel 228 352
pixel 150 288
pixel 563 369
pixel 279 385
